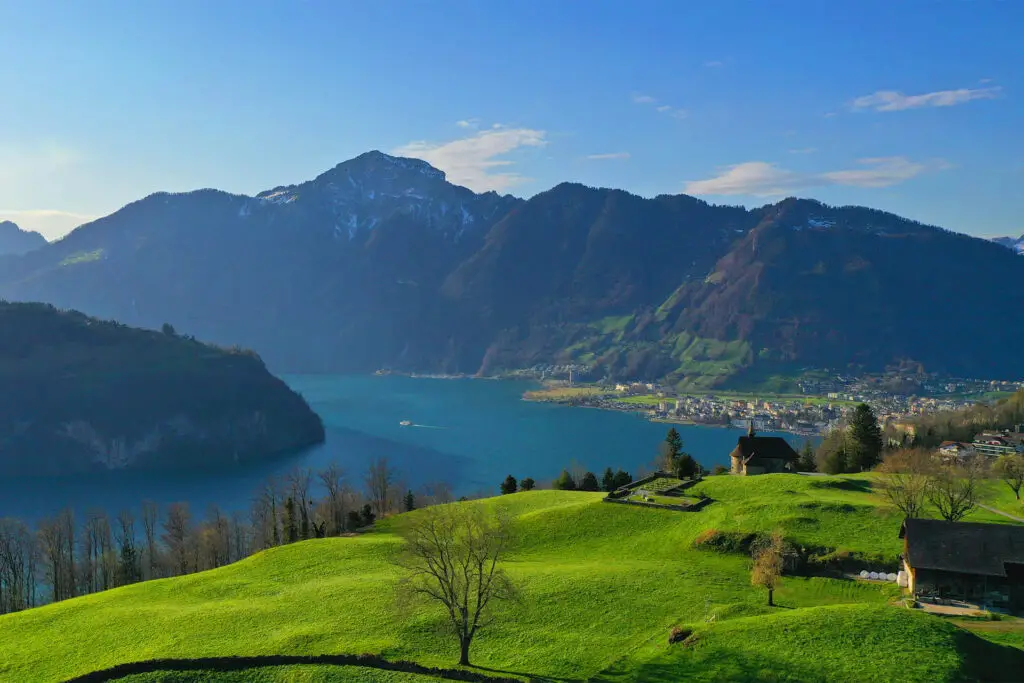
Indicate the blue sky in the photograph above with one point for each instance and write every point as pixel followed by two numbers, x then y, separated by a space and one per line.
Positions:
pixel 911 107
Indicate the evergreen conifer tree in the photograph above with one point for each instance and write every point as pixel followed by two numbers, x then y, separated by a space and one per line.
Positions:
pixel 865 447
pixel 622 479
pixel 410 501
pixel 527 484
pixel 509 485
pixel 565 482
pixel 806 462
pixel 589 482
pixel 608 480
pixel 291 525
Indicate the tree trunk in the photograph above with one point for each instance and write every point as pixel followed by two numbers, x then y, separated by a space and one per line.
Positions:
pixel 464 655
pixel 771 593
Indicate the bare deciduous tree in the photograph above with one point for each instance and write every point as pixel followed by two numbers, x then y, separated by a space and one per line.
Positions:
pixel 1010 468
pixel 150 517
pixel 177 532
pixel 333 480
pixel 299 481
pixel 905 485
pixel 767 569
pixel 380 479
pixel 17 566
pixel 953 490
pixel 452 556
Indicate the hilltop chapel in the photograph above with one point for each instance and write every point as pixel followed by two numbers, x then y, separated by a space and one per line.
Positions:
pixel 762 454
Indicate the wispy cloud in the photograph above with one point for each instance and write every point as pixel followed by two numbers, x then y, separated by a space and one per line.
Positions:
pixel 39 160
pixel 474 161
pixel 52 224
pixel 612 155
pixel 804 150
pixel 764 179
pixel 468 123
pixel 893 100
pixel 714 64
pixel 674 112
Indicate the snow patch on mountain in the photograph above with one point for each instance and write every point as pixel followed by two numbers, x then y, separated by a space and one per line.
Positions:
pixel 1015 244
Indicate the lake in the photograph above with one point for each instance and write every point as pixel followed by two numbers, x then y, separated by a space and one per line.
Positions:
pixel 465 432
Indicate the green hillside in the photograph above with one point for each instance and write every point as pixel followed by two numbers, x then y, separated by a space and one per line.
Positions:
pixel 602 584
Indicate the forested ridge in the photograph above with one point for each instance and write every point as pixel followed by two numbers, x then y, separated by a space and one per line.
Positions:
pixel 83 394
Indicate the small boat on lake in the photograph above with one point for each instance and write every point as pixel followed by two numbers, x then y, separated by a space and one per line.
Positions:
pixel 406 423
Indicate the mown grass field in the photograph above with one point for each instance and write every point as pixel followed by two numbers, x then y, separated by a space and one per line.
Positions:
pixel 601 586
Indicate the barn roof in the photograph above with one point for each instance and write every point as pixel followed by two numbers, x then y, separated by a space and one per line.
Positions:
pixel 764 447
pixel 965 547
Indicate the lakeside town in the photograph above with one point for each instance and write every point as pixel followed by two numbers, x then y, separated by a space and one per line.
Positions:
pixel 820 405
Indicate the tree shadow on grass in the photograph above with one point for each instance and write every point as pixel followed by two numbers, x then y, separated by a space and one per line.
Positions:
pixel 529 676
pixel 857 485
pixel 245 663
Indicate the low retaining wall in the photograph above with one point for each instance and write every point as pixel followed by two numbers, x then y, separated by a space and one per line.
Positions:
pixel 696 507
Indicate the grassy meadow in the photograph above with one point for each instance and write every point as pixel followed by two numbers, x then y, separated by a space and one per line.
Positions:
pixel 601 586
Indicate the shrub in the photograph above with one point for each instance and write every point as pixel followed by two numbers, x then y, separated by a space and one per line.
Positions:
pixel 527 484
pixel 720 469
pixel 678 635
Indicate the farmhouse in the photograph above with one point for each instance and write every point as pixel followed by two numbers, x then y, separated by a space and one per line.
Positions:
pixel 980 563
pixel 762 454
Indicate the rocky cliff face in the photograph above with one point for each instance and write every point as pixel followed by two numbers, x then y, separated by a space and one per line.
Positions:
pixel 80 395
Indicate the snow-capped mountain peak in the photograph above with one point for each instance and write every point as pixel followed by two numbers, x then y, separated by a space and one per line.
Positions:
pixel 1016 244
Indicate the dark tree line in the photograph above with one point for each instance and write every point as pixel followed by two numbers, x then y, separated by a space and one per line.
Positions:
pixel 65 555
pixel 962 425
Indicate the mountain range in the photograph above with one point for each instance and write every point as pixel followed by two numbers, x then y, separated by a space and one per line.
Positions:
pixel 1014 243
pixel 14 240
pixel 382 263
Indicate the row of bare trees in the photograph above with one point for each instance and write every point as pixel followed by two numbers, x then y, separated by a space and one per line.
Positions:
pixel 916 478
pixel 65 556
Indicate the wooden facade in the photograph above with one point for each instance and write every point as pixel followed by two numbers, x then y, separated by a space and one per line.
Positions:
pixel 977 563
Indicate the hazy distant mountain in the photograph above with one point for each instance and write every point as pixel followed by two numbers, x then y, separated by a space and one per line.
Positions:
pixel 1014 243
pixel 14 240
pixel 380 262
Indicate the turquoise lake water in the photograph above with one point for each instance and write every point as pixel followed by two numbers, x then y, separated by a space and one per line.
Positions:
pixel 467 433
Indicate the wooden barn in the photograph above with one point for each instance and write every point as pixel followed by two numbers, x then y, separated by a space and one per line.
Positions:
pixel 977 563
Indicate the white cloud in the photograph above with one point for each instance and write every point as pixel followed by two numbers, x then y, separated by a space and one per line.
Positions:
pixel 468 123
pixel 830 114
pixel 763 179
pixel 804 150
pixel 893 100
pixel 714 64
pixel 612 155
pixel 643 99
pixel 472 161
pixel 52 224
